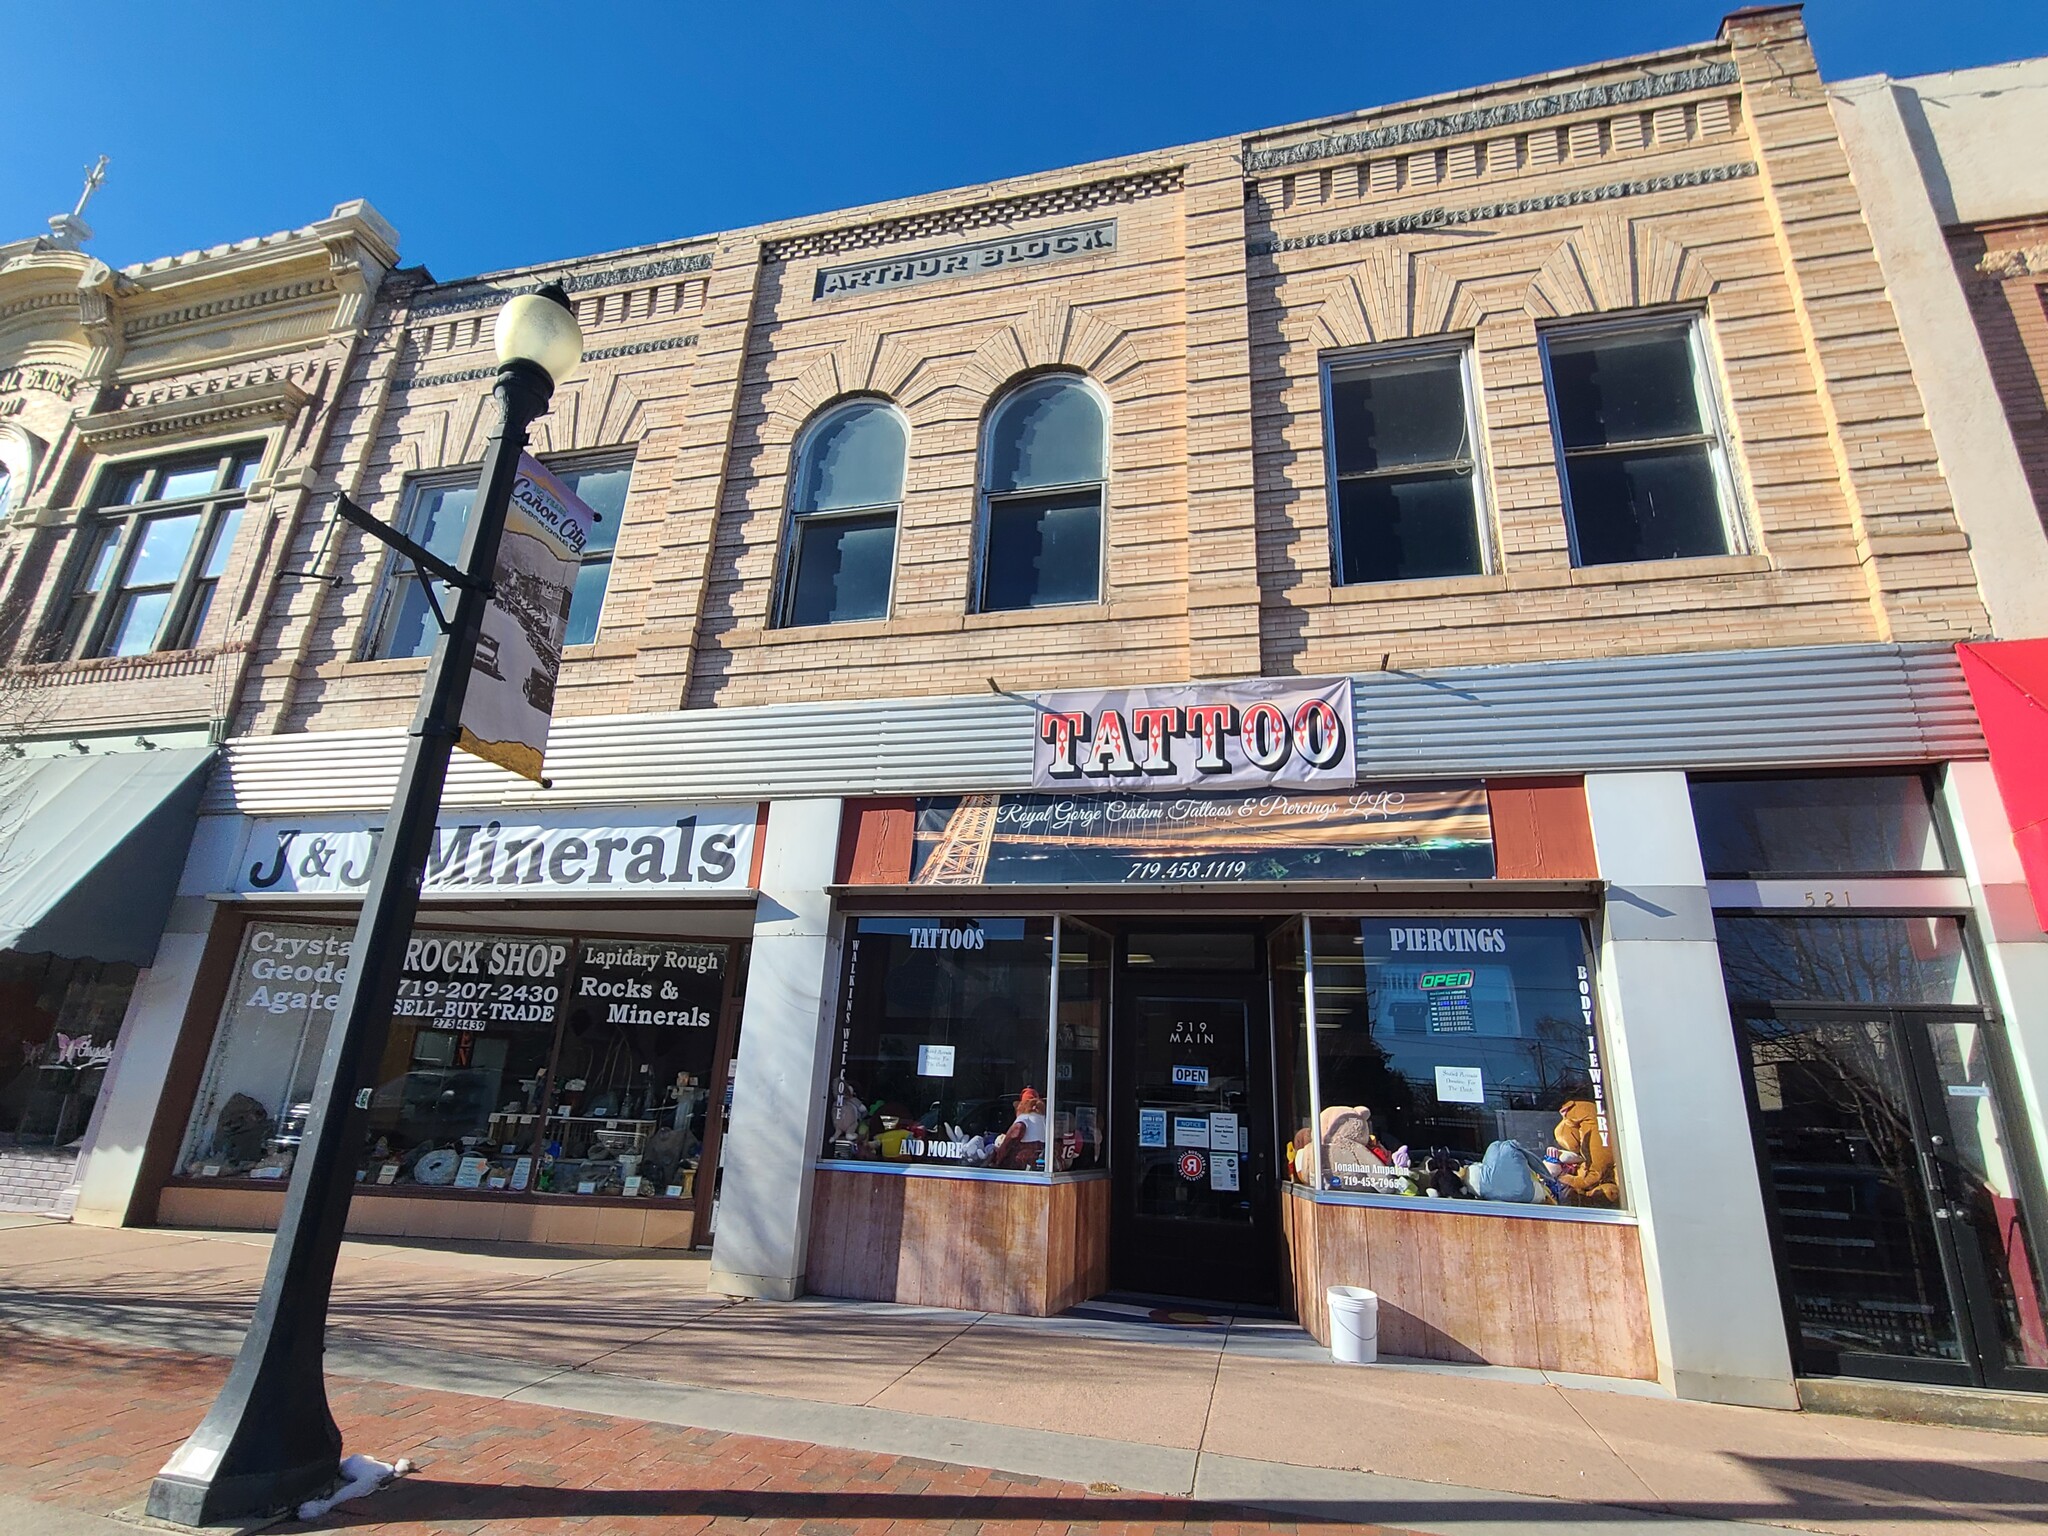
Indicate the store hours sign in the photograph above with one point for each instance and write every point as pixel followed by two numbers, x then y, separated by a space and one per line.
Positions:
pixel 646 852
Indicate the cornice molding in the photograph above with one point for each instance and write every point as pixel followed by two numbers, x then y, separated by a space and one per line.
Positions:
pixel 1449 218
pixel 959 217
pixel 596 355
pixel 1508 114
pixel 277 401
pixel 233 304
pixel 473 294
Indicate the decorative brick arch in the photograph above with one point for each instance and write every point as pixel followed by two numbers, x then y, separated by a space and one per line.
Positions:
pixel 1052 334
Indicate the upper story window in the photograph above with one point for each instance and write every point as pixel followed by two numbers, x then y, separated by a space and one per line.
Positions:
pixel 1405 478
pixel 1043 471
pixel 847 486
pixel 151 552
pixel 436 513
pixel 1645 464
pixel 1818 824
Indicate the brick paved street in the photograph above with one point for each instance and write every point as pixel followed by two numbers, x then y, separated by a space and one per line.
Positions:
pixel 84 1427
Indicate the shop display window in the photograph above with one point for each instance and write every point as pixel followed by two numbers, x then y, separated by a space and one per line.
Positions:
pixel 942 1047
pixel 1458 1058
pixel 58 1022
pixel 1879 960
pixel 1080 1124
pixel 1838 824
pixel 516 1062
pixel 1287 959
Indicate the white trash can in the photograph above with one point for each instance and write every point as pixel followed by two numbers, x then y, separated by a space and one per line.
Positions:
pixel 1354 1325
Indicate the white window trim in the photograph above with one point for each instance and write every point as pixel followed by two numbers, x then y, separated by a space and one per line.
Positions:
pixel 1334 363
pixel 793 520
pixel 1714 417
pixel 984 498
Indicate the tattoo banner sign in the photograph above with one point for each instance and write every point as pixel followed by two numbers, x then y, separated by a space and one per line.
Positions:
pixel 1286 733
pixel 1425 832
pixel 511 695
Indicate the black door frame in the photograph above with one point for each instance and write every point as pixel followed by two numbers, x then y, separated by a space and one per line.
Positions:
pixel 1970 1297
pixel 1254 988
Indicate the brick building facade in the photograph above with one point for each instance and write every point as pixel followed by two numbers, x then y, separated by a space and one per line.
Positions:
pixel 1566 425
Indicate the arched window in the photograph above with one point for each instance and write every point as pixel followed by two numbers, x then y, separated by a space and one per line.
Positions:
pixel 846 488
pixel 1042 478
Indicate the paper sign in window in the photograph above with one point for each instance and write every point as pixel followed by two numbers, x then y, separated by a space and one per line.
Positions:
pixel 1460 1085
pixel 935 1060
pixel 1151 1127
pixel 1191 1130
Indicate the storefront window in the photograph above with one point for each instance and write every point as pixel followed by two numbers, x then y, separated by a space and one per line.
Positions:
pixel 58 1022
pixel 942 1048
pixel 1289 965
pixel 1883 960
pixel 1841 824
pixel 1459 1058
pixel 521 1062
pixel 1081 1067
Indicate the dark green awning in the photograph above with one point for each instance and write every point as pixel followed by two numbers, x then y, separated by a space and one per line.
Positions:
pixel 91 849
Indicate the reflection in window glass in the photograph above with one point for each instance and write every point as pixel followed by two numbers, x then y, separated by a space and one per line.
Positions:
pixel 58 1022
pixel 1042 483
pixel 437 515
pixel 182 480
pixel 1892 960
pixel 1843 824
pixel 1460 1056
pixel 942 1042
pixel 842 529
pixel 1081 1070
pixel 1289 960
pixel 1402 457
pixel 1641 450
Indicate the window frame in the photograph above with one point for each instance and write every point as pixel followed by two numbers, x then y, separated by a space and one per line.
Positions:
pixel 986 500
pixel 83 634
pixel 390 576
pixel 1461 347
pixel 794 521
pixel 1714 417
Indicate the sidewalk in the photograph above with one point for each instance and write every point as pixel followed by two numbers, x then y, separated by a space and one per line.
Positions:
pixel 1226 1413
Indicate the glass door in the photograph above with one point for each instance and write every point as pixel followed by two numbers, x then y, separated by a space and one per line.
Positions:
pixel 1194 1213
pixel 1901 1247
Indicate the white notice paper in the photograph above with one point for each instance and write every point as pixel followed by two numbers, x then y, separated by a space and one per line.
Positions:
pixel 1460 1085
pixel 470 1173
pixel 1223 1133
pixel 1191 1130
pixel 935 1060
pixel 522 1173
pixel 1223 1170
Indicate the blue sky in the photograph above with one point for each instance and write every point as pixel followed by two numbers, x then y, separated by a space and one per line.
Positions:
pixel 496 134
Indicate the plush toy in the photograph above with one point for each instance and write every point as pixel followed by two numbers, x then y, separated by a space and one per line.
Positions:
pixel 1352 1158
pixel 1588 1161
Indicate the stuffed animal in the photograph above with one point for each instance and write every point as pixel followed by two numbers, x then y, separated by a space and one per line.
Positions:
pixel 1352 1158
pixel 1592 1179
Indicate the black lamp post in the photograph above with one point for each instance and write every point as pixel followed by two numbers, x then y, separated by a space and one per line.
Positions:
pixel 269 1441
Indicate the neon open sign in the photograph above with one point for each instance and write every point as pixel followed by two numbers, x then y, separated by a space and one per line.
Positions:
pixel 1438 981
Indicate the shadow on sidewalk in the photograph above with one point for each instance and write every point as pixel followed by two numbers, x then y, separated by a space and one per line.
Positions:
pixel 424 1501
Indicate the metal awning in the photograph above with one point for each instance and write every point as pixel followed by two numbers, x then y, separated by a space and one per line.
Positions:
pixel 91 849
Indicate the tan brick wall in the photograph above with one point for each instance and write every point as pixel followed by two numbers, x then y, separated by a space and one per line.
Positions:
pixel 1720 191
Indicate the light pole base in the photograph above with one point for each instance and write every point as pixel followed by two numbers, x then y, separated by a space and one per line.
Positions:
pixel 233 1503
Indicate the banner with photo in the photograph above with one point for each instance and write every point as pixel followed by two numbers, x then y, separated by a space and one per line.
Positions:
pixel 511 695
pixel 1389 832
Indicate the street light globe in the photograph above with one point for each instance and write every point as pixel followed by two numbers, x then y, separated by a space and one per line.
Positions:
pixel 540 328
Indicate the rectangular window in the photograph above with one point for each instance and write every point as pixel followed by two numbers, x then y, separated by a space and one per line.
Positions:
pixel 1645 465
pixel 436 514
pixel 1081 1070
pixel 1459 1057
pixel 57 1036
pixel 1042 551
pixel 153 551
pixel 942 1050
pixel 1837 824
pixel 1404 471
pixel 840 567
pixel 528 1062
pixel 1880 960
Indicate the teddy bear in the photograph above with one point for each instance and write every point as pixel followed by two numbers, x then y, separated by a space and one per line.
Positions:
pixel 1592 1177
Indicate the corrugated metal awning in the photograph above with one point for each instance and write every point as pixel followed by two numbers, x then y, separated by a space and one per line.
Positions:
pixel 92 848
